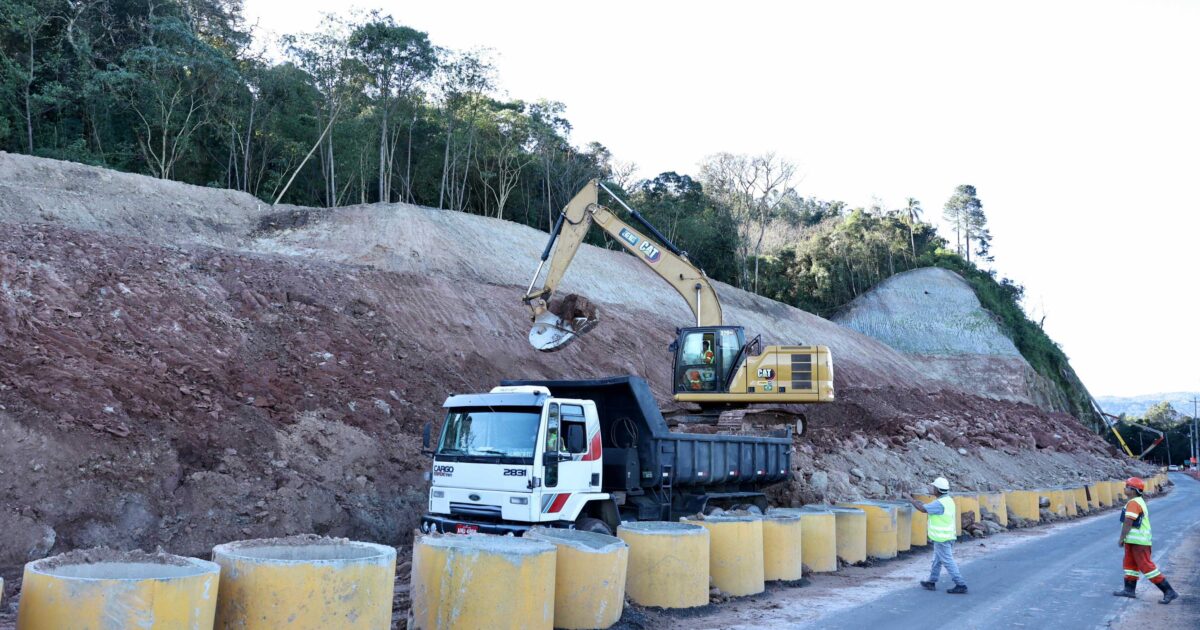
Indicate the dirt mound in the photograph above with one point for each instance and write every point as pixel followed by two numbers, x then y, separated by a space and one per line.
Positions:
pixel 934 317
pixel 159 391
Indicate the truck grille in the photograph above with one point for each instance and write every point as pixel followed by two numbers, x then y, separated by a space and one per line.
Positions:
pixel 802 371
pixel 471 509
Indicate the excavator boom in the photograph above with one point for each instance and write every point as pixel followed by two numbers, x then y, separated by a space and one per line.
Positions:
pixel 553 331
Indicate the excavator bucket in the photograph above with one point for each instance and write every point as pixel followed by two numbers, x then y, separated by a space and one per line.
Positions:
pixel 562 322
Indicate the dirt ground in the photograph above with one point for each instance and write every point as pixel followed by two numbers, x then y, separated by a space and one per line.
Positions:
pixel 181 367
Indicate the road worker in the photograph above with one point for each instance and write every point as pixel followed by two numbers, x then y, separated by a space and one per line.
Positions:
pixel 942 532
pixel 1135 538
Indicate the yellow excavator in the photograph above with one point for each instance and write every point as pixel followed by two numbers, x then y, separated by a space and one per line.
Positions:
pixel 715 367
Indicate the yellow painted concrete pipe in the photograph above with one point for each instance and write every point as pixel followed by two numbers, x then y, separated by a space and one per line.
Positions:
pixel 1069 499
pixel 101 589
pixel 305 582
pixel 904 524
pixel 1118 492
pixel 819 537
pixel 1058 501
pixel 1081 499
pixel 851 525
pixel 735 553
pixel 881 528
pixel 480 581
pixel 668 563
pixel 965 503
pixel 1023 504
pixel 995 503
pixel 783 547
pixel 920 529
pixel 1104 493
pixel 589 577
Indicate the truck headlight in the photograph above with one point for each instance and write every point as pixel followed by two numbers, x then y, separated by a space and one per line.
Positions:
pixel 519 500
pixel 437 494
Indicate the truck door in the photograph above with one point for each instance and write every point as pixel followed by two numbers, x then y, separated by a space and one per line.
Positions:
pixel 572 455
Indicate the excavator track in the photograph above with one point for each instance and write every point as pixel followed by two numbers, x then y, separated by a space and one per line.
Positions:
pixel 740 421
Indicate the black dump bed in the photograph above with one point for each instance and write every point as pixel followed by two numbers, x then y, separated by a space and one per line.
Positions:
pixel 630 419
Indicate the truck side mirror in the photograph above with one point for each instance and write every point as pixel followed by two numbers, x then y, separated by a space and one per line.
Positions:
pixel 576 438
pixel 426 438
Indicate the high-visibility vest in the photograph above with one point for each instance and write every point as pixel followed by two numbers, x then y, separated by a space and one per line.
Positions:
pixel 941 526
pixel 1140 535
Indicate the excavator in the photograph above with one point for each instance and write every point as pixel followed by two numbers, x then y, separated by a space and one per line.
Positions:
pixel 1112 422
pixel 715 367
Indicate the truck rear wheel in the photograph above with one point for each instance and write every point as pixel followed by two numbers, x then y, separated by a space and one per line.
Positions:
pixel 589 524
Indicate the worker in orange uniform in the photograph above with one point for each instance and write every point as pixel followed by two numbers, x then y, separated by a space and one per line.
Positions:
pixel 1135 538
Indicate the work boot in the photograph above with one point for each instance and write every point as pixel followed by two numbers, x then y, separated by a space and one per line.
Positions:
pixel 1168 592
pixel 929 586
pixel 959 589
pixel 1130 587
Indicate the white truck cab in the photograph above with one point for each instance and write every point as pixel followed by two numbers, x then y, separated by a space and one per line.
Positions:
pixel 513 458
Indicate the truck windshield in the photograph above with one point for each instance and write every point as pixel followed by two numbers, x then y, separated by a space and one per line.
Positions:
pixel 490 433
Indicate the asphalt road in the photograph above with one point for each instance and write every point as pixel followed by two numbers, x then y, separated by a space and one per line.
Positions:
pixel 1062 580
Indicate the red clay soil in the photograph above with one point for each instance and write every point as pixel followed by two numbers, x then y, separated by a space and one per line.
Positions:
pixel 183 397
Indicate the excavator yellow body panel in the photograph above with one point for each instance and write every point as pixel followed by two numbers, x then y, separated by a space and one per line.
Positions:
pixel 780 375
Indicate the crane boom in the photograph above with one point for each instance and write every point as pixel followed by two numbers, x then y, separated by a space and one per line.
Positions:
pixel 669 262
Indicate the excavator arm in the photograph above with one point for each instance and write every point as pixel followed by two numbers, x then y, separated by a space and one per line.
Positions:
pixel 1112 422
pixel 553 331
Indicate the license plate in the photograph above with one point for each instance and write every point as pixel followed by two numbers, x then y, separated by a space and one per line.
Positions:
pixel 466 529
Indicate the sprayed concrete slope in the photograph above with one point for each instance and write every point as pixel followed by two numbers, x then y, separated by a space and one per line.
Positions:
pixel 934 317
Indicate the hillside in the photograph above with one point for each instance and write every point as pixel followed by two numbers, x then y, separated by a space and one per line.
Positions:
pixel 181 366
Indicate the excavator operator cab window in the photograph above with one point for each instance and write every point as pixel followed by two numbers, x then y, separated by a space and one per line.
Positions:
pixel 697 364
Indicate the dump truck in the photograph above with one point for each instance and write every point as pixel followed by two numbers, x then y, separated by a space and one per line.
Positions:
pixel 586 454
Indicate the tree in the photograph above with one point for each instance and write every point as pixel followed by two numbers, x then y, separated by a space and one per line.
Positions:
pixel 958 211
pixel 912 210
pixel 463 81
pixel 752 189
pixel 396 58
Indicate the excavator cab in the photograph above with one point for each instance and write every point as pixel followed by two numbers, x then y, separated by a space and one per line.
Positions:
pixel 706 358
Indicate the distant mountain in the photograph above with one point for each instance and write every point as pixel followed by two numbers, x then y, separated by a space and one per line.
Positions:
pixel 1137 405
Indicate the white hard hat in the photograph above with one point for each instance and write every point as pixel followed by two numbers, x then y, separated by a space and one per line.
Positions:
pixel 941 484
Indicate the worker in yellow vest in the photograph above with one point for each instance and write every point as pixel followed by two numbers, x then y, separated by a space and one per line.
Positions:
pixel 1135 538
pixel 942 533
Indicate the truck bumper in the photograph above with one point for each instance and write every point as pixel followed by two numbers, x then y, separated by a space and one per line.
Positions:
pixel 449 525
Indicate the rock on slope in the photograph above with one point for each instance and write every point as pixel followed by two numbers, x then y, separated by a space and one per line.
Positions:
pixel 181 367
pixel 934 317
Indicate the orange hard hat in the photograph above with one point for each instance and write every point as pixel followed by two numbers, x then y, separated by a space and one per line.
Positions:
pixel 1136 482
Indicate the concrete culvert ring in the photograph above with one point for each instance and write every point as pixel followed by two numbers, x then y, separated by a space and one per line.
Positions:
pixel 304 581
pixel 589 579
pixel 107 588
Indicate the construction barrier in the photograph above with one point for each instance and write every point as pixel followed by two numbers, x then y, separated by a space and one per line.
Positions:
pixel 668 563
pixel 101 589
pixel 1058 501
pixel 1099 495
pixel 881 528
pixel 1081 499
pixel 995 503
pixel 1069 500
pixel 1118 492
pixel 964 503
pixel 920 529
pixel 819 537
pixel 783 547
pixel 735 553
pixel 314 582
pixel 1023 504
pixel 851 526
pixel 904 524
pixel 589 577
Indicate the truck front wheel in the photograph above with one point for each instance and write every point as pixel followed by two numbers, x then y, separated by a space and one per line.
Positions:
pixel 589 524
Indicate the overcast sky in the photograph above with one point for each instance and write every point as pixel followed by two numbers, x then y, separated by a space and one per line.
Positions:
pixel 1076 121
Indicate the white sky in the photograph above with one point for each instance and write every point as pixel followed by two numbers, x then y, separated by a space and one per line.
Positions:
pixel 1078 122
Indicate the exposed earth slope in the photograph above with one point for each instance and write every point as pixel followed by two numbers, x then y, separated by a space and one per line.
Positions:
pixel 182 366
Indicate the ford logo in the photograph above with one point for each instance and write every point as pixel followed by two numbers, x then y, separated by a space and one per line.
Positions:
pixel 473 497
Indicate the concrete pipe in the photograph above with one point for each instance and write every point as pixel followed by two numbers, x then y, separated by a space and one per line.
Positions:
pixel 1104 496
pixel 102 589
pixel 1058 501
pixel 965 503
pixel 994 502
pixel 904 524
pixel 589 577
pixel 783 547
pixel 851 525
pixel 1069 499
pixel 881 528
pixel 819 537
pixel 919 529
pixel 1081 499
pixel 1118 493
pixel 735 553
pixel 1023 504
pixel 481 581
pixel 305 582
pixel 668 564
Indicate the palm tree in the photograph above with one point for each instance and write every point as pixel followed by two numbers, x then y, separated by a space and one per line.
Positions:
pixel 914 210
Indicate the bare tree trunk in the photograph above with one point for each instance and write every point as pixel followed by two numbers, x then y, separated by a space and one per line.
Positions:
pixel 328 126
pixel 383 141
pixel 249 136
pixel 446 160
pixel 28 88
pixel 408 196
